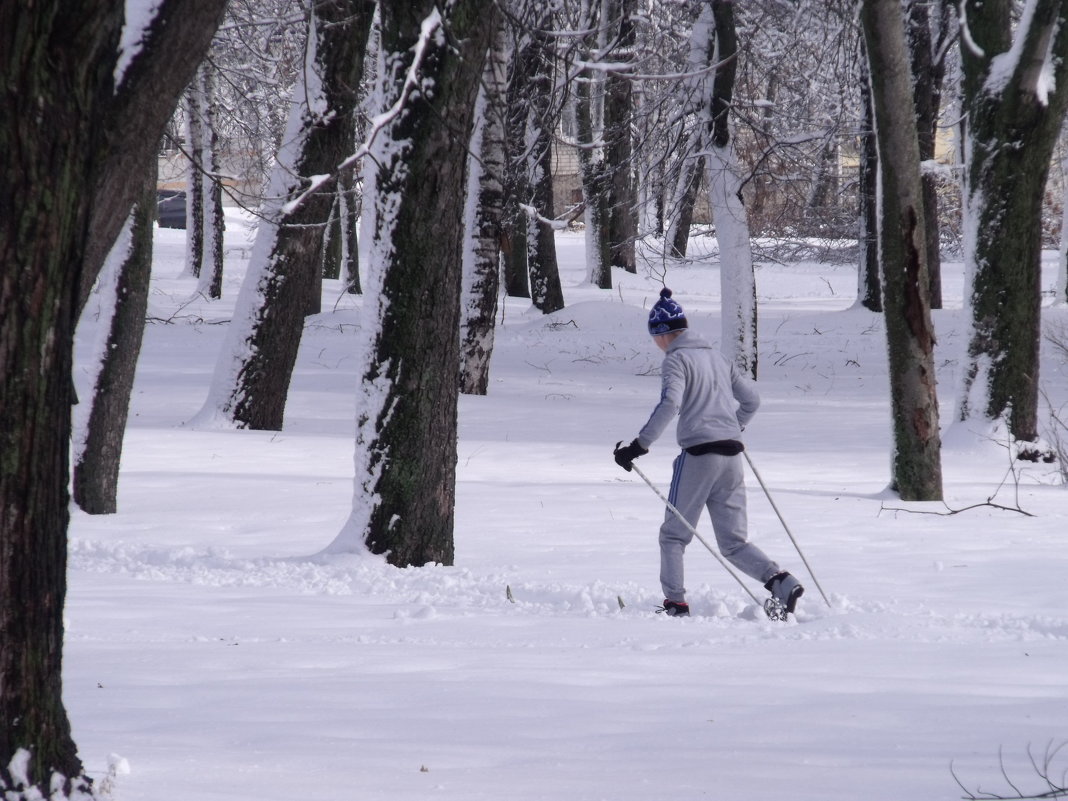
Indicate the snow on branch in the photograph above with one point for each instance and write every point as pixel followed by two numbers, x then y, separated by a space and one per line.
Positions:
pixel 430 28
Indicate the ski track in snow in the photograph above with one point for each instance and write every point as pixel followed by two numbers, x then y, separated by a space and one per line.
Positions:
pixel 436 591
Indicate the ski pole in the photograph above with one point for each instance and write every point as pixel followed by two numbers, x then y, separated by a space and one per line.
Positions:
pixel 764 487
pixel 693 531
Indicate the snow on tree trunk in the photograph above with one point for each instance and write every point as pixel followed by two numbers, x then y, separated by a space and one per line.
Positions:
pixel 271 293
pixel 104 408
pixel 251 380
pixel 482 223
pixel 1015 93
pixel 916 459
pixel 405 461
pixel 737 279
pixel 588 110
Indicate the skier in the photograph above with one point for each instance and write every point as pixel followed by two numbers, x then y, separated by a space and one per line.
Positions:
pixel 714 402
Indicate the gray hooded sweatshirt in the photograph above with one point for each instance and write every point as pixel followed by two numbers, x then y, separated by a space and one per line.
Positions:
pixel 698 383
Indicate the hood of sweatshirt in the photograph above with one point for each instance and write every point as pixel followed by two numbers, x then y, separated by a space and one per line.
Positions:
pixel 688 339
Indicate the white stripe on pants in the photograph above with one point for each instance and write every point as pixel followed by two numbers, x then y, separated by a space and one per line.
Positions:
pixel 717 483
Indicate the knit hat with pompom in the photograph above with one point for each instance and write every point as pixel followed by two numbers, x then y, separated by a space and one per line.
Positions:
pixel 667 315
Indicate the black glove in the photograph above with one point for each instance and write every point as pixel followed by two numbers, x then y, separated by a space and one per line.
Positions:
pixel 626 454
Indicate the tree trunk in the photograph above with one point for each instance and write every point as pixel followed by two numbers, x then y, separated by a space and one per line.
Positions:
pixel 482 222
pixel 916 465
pixel 927 76
pixel 1012 128
pixel 1060 289
pixel 528 243
pixel 96 465
pixel 406 420
pixel 349 218
pixel 137 114
pixel 691 171
pixel 595 183
pixel 619 150
pixel 211 270
pixel 546 292
pixel 869 288
pixel 251 381
pixel 330 261
pixel 71 140
pixel 588 108
pixel 49 73
pixel 196 139
pixel 737 278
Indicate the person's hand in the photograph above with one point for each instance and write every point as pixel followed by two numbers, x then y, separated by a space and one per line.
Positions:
pixel 626 454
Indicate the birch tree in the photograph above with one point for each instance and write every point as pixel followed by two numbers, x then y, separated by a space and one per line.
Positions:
pixel 431 59
pixel 587 109
pixel 529 251
pixel 1015 88
pixel 725 174
pixel 916 465
pixel 76 123
pixel 209 280
pixel 195 135
pixel 483 211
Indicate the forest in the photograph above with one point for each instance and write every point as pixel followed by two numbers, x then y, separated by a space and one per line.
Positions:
pixel 430 159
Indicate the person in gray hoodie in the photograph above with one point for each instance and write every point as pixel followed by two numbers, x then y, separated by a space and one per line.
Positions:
pixel 714 402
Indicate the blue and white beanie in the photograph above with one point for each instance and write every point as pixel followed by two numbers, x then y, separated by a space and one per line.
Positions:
pixel 667 315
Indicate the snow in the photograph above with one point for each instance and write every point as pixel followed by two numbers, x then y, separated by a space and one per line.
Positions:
pixel 138 17
pixel 107 299
pixel 214 652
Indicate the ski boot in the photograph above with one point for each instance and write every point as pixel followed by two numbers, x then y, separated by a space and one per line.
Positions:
pixel 674 608
pixel 785 590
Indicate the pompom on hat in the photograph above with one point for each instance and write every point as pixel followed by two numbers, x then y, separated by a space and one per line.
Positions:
pixel 666 315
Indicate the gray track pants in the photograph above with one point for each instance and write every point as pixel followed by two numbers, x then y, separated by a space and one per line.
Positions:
pixel 715 482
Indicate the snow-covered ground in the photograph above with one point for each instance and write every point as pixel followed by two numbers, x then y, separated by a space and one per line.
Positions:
pixel 212 655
